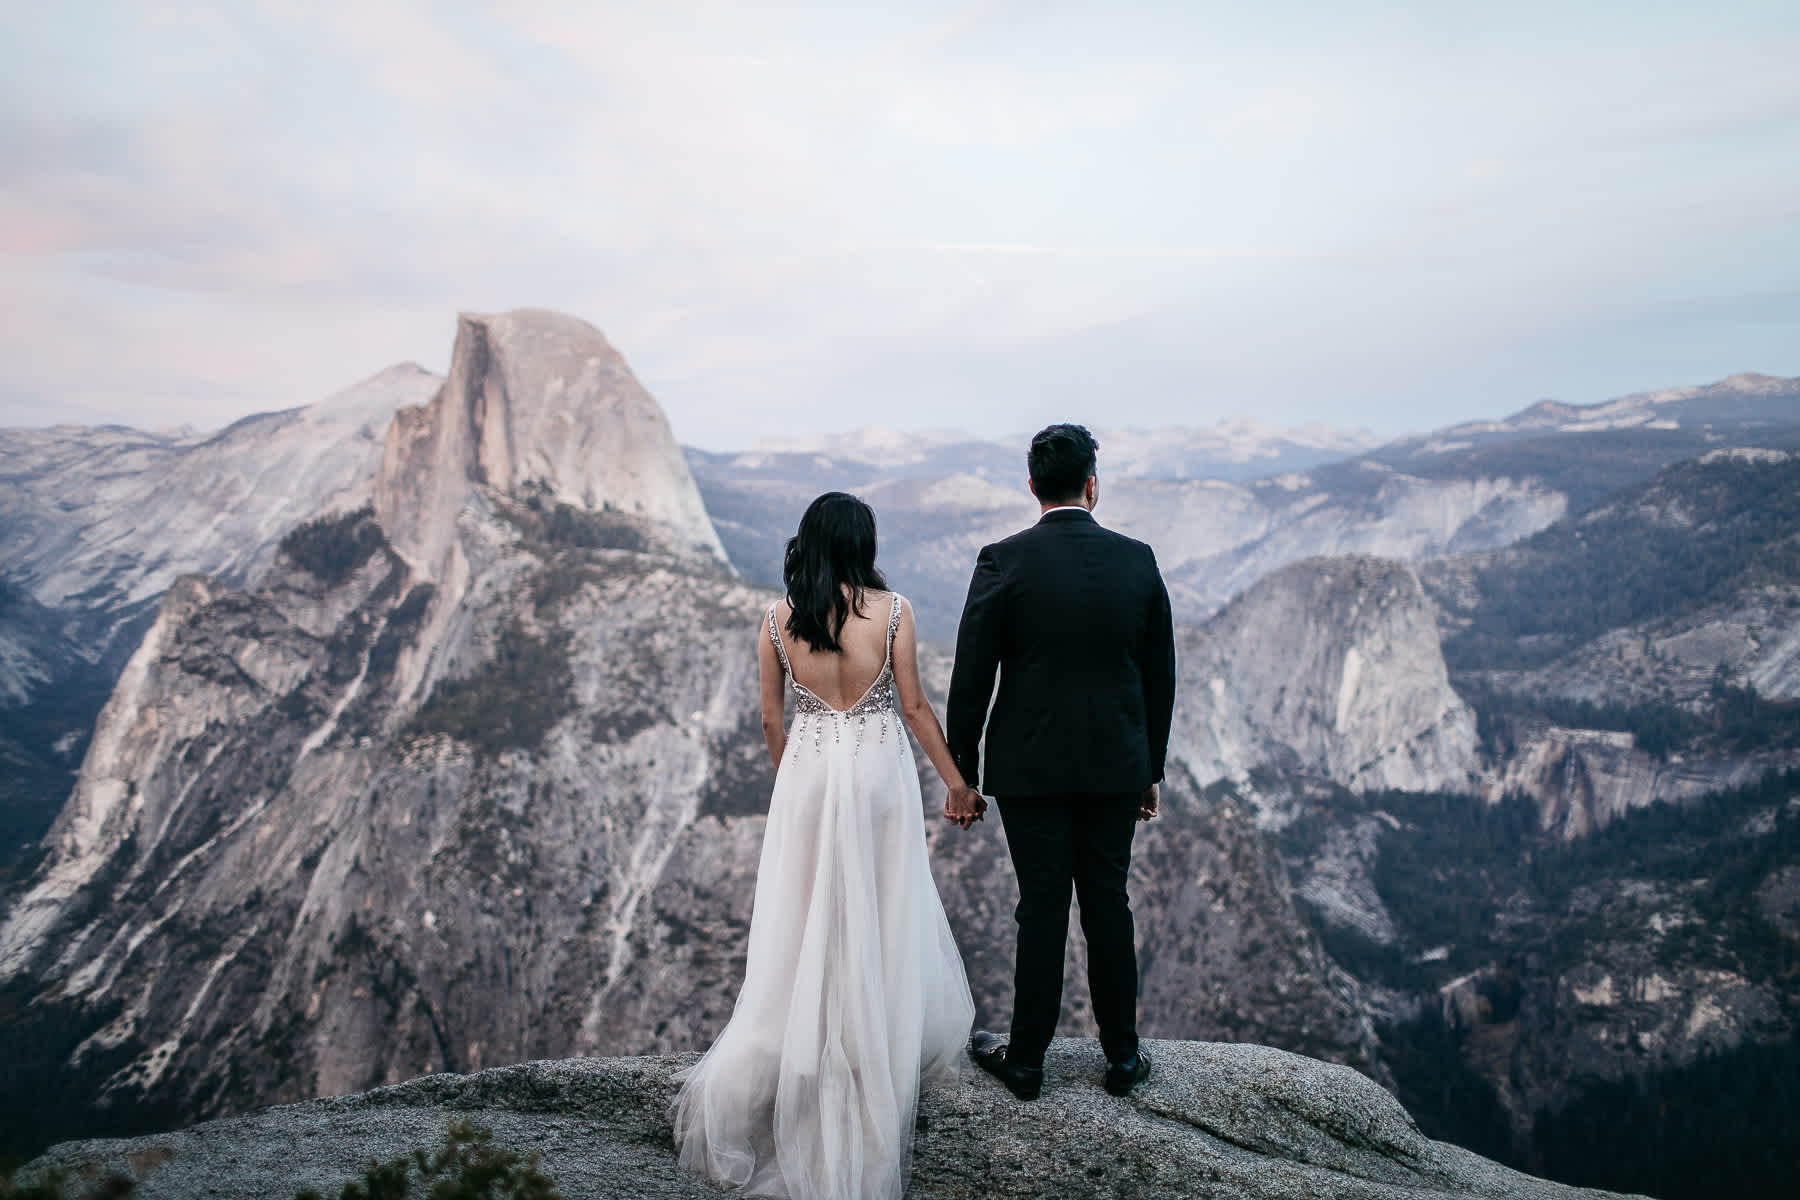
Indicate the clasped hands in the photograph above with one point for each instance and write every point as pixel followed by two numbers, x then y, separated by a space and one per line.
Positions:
pixel 964 805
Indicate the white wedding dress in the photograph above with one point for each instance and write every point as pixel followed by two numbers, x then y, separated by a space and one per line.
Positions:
pixel 854 996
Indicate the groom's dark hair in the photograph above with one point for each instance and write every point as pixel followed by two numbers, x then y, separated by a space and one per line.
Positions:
pixel 1060 461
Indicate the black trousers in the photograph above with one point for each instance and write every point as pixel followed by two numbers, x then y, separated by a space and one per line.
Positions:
pixel 1056 842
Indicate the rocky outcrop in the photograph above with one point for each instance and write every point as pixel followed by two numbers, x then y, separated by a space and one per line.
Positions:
pixel 1221 1122
pixel 1584 779
pixel 535 400
pixel 1329 667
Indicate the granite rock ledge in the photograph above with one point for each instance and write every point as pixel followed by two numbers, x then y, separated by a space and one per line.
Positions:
pixel 1215 1120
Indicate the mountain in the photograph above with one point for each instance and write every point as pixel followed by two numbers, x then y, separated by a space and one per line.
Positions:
pixel 462 768
pixel 1646 651
pixel 96 524
pixel 1234 448
pixel 1473 487
pixel 536 402
pixel 472 774
pixel 1737 402
pixel 104 520
pixel 402 803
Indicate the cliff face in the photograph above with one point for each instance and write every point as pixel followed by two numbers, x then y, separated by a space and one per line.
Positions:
pixel 535 400
pixel 1330 668
pixel 383 812
pixel 96 524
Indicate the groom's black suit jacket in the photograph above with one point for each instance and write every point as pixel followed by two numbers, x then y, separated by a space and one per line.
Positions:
pixel 1076 620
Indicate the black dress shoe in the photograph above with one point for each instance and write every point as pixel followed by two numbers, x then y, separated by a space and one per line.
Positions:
pixel 989 1052
pixel 1122 1077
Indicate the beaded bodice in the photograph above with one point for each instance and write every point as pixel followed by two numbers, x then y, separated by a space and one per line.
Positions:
pixel 878 700
pixel 880 703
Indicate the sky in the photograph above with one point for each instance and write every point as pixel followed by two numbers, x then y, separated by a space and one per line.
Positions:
pixel 797 218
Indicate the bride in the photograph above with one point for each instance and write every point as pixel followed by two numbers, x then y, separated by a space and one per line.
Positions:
pixel 854 996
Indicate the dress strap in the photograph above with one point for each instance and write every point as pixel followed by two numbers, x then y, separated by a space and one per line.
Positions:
pixel 893 627
pixel 775 636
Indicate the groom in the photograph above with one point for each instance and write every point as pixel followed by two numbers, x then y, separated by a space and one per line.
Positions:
pixel 1075 618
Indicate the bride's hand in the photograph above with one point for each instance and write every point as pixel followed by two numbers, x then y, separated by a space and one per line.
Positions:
pixel 964 805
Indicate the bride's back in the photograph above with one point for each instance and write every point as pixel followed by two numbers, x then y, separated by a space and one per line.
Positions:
pixel 840 680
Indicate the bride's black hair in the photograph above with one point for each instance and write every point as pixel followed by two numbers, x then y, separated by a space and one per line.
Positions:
pixel 834 546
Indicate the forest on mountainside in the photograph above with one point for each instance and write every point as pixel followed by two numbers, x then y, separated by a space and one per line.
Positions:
pixel 1477 892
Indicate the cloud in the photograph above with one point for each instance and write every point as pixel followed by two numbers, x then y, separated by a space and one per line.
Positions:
pixel 897 215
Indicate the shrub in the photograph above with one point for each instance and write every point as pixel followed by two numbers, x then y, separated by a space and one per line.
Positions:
pixel 510 702
pixel 50 1185
pixel 468 1167
pixel 331 548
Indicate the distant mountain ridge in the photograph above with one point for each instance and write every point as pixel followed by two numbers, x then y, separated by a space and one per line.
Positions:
pixel 1738 400
pixel 1485 487
pixel 1238 447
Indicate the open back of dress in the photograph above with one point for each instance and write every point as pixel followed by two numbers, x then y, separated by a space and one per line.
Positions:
pixel 854 994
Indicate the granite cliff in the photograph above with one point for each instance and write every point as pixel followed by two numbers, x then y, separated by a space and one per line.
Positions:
pixel 96 524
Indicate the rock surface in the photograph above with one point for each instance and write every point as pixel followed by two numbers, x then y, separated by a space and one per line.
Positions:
pixel 537 400
pixel 1330 667
pixel 1220 1121
pixel 97 524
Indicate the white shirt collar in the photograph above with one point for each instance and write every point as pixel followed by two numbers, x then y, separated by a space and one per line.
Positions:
pixel 1065 508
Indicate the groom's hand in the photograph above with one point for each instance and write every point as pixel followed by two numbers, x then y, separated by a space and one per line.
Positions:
pixel 1147 806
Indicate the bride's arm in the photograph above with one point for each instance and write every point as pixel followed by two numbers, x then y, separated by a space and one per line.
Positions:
pixel 774 693
pixel 919 715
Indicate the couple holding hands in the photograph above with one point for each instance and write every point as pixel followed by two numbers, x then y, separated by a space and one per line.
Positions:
pixel 854 996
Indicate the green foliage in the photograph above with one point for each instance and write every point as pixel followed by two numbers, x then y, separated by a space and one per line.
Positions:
pixel 53 1185
pixel 1722 1127
pixel 1740 720
pixel 547 519
pixel 331 548
pixel 511 701
pixel 468 1167
pixel 1655 728
pixel 1445 873
pixel 1658 550
pixel 1446 1097
pixel 1456 866
pixel 1457 861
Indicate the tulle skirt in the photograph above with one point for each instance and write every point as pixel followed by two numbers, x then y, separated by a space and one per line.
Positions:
pixel 854 996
